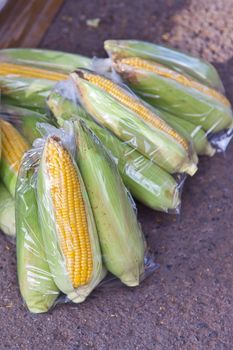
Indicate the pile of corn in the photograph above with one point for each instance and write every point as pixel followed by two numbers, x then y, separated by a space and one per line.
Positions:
pixel 77 137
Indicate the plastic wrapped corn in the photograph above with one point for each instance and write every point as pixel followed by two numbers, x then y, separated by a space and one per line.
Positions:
pixel 57 244
pixel 146 181
pixel 183 86
pixel 117 109
pixel 181 62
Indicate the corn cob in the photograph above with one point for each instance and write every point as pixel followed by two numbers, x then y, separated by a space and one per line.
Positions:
pixel 7 211
pixel 190 132
pixel 24 120
pixel 176 93
pixel 13 148
pixel 147 182
pixel 130 120
pixel 195 67
pixel 35 279
pixel 47 59
pixel 120 237
pixel 68 228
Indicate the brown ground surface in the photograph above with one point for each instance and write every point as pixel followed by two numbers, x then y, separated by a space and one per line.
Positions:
pixel 187 303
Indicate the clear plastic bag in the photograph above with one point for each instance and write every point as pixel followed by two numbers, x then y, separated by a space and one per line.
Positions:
pixel 147 182
pixel 72 226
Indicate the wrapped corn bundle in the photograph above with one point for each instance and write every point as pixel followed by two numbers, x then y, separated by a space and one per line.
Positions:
pixel 67 223
pixel 181 62
pixel 121 239
pixel 117 109
pixel 176 93
pixel 147 182
pixel 187 87
pixel 57 243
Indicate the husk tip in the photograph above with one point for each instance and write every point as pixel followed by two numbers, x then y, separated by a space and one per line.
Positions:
pixel 190 169
pixel 209 150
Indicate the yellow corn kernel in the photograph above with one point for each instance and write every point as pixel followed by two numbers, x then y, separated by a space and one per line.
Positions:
pixel 70 213
pixel 168 73
pixel 30 72
pixel 135 105
pixel 13 145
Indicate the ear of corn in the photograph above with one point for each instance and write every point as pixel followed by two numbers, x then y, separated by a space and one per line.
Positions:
pixel 176 93
pixel 147 182
pixel 47 59
pixel 120 237
pixel 68 227
pixel 35 279
pixel 117 110
pixel 24 120
pixel 13 148
pixel 197 68
pixel 7 211
pixel 191 132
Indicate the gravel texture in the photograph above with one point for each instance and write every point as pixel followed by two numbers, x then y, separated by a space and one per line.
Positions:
pixel 187 303
pixel 203 29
